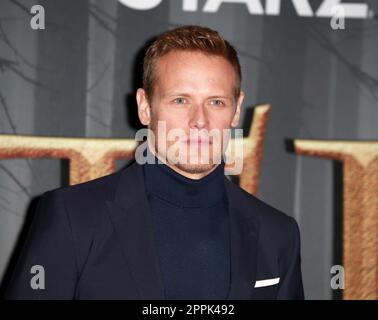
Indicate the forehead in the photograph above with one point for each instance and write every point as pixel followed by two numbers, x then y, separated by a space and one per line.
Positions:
pixel 194 70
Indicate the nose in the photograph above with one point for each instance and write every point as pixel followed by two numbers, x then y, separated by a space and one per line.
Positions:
pixel 198 117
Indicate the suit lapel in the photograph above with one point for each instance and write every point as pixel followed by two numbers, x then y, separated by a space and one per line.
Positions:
pixel 244 239
pixel 132 223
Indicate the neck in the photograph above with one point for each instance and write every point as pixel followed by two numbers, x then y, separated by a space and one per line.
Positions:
pixel 166 183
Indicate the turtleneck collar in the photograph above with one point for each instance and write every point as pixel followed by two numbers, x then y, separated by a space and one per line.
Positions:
pixel 167 184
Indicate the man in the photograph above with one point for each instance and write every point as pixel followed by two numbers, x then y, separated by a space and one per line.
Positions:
pixel 176 229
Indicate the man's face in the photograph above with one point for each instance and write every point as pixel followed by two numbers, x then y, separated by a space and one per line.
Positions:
pixel 194 93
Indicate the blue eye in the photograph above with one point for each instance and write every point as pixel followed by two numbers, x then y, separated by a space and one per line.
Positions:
pixel 179 101
pixel 217 102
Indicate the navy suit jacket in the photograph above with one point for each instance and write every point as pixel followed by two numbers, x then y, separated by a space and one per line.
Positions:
pixel 95 241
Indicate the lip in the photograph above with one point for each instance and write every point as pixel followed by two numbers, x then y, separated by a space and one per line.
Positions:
pixel 198 141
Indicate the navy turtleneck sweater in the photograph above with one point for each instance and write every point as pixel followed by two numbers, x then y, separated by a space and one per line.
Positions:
pixel 191 223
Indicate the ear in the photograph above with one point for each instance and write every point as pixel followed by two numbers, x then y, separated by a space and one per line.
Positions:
pixel 144 112
pixel 236 118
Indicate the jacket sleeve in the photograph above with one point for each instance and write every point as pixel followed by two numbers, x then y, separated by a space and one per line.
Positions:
pixel 291 287
pixel 46 268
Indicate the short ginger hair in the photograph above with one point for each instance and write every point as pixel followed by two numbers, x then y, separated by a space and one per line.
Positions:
pixel 188 38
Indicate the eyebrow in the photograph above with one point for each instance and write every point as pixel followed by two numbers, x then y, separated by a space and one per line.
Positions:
pixel 222 97
pixel 177 94
pixel 174 94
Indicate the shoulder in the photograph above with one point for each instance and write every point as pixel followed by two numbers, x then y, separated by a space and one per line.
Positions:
pixel 83 204
pixel 93 190
pixel 272 221
pixel 79 212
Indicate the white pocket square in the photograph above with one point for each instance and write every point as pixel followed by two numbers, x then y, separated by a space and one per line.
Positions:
pixel 266 282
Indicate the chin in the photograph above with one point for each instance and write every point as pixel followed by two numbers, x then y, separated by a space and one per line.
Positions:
pixel 195 168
